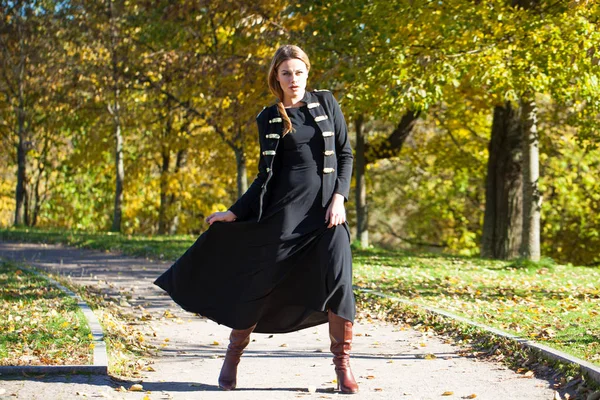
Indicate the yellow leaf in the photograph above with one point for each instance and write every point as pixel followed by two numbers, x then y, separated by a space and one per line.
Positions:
pixel 136 388
pixel 447 393
pixel 528 374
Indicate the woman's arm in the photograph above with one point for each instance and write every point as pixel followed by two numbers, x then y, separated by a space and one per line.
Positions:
pixel 343 151
pixel 336 212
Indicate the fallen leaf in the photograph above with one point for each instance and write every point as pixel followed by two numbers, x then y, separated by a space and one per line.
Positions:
pixel 471 396
pixel 447 393
pixel 528 375
pixel 283 345
pixel 215 343
pixel 136 388
pixel 378 389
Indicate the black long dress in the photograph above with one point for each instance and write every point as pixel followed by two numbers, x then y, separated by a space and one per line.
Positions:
pixel 282 272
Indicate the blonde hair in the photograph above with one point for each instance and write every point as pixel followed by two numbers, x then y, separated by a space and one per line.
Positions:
pixel 284 53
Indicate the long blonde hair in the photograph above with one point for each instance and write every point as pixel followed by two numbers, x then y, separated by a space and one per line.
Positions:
pixel 284 53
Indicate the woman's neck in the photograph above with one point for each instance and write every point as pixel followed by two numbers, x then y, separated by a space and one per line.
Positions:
pixel 293 101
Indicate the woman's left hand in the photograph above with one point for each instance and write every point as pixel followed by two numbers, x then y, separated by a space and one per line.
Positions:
pixel 336 212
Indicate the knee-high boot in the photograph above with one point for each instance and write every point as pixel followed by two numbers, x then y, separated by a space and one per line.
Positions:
pixel 340 332
pixel 238 340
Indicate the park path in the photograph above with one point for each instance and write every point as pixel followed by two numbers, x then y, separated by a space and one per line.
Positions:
pixel 389 361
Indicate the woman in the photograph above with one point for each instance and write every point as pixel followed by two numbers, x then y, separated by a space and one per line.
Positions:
pixel 279 259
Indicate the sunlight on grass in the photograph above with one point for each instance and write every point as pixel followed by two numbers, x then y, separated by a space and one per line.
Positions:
pixel 555 304
pixel 40 324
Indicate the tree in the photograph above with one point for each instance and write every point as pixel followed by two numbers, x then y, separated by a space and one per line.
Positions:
pixel 502 222
pixel 30 60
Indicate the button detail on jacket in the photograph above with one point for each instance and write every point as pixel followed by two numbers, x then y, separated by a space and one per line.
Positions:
pixel 269 153
pixel 275 120
pixel 272 136
pixel 326 133
pixel 329 152
pixel 328 170
pixel 313 105
pixel 320 118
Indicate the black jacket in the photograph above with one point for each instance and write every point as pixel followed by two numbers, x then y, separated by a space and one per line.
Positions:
pixel 337 166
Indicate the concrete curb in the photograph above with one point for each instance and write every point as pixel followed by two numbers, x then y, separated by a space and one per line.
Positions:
pixel 592 371
pixel 99 357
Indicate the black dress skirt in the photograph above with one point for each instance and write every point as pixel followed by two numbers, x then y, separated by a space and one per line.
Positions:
pixel 282 273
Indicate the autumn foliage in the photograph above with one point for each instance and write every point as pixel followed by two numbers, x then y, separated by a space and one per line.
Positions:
pixel 156 100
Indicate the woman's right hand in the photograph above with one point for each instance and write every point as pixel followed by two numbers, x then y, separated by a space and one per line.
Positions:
pixel 224 216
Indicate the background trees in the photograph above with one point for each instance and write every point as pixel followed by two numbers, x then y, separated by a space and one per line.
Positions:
pixel 139 116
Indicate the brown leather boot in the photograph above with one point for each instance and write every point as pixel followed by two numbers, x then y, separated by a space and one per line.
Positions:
pixel 238 340
pixel 340 332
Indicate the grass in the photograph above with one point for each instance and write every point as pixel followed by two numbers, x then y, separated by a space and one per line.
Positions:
pixel 126 344
pixel 557 305
pixel 40 324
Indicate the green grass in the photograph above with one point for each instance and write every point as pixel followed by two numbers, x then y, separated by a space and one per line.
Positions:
pixel 558 305
pixel 555 304
pixel 40 324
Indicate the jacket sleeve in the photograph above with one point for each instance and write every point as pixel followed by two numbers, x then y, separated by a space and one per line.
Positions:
pixel 249 200
pixel 343 151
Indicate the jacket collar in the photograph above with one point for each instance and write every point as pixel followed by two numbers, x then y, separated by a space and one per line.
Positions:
pixel 308 98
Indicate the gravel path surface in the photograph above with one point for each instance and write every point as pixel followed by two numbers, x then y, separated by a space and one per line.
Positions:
pixel 389 361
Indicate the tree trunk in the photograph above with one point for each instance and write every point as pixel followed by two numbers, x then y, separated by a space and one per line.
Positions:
pixel 120 174
pixel 116 114
pixel 502 222
pixel 180 163
pixel 242 169
pixel 164 182
pixel 21 189
pixel 530 247
pixel 22 150
pixel 362 225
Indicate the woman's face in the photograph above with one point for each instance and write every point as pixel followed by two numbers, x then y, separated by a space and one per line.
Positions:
pixel 292 75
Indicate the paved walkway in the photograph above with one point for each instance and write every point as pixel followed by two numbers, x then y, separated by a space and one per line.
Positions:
pixel 389 361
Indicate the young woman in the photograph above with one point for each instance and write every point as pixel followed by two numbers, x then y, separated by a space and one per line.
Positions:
pixel 279 259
